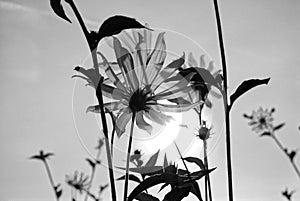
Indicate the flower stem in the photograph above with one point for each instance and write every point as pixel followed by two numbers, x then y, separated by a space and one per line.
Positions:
pixel 99 96
pixel 285 152
pixel 50 178
pixel 225 100
pixel 128 157
pixel 207 178
pixel 92 176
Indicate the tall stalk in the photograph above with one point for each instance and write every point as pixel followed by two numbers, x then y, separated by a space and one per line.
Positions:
pixel 128 157
pixel 225 101
pixel 50 178
pixel 93 49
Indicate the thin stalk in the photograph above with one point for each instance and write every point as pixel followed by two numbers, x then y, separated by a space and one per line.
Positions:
pixel 225 100
pixel 286 153
pixel 207 178
pixel 50 178
pixel 182 159
pixel 112 133
pixel 128 157
pixel 92 176
pixel 99 96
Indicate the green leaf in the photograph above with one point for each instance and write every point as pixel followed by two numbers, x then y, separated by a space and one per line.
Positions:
pixel 146 197
pixel 153 159
pixel 116 24
pixel 131 177
pixel 59 10
pixel 279 126
pixel 246 86
pixel 198 161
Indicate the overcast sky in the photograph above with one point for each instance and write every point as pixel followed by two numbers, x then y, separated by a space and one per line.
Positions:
pixel 39 51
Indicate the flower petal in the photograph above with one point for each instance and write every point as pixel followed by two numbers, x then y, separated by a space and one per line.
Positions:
pixel 177 107
pixel 91 74
pixel 142 124
pixel 126 64
pixel 158 117
pixel 157 58
pixel 112 92
pixel 192 61
pixel 122 121
pixel 202 61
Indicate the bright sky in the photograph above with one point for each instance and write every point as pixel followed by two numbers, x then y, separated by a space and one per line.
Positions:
pixel 39 52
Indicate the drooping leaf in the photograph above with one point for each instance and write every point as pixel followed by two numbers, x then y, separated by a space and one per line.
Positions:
pixel 162 187
pixel 265 134
pixel 146 197
pixel 153 159
pixel 279 126
pixel 195 160
pixel 116 24
pixel 246 86
pixel 131 177
pixel 196 191
pixel 177 194
pixel 59 10
pixel 168 178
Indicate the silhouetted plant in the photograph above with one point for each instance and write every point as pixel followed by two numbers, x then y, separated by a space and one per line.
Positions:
pixel 262 122
pixel 133 94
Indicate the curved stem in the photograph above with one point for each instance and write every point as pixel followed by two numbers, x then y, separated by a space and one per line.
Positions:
pixel 225 100
pixel 50 178
pixel 128 157
pixel 285 152
pixel 93 50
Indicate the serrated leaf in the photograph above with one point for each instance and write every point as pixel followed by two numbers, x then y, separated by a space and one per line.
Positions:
pixel 59 10
pixel 153 159
pixel 265 134
pixel 279 126
pixel 246 86
pixel 116 24
pixel 195 160
pixel 146 197
pixel 131 177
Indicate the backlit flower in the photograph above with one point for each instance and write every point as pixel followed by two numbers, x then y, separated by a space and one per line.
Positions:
pixel 138 85
pixel 78 181
pixel 261 120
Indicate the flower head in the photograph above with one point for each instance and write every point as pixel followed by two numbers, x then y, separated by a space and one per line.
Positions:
pixel 261 120
pixel 138 85
pixel 78 181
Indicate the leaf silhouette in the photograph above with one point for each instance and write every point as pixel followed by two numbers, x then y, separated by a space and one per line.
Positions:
pixel 279 126
pixel 153 159
pixel 265 134
pixel 116 24
pixel 198 161
pixel 146 197
pixel 131 177
pixel 246 86
pixel 168 178
pixel 177 194
pixel 196 191
pixel 146 170
pixel 59 10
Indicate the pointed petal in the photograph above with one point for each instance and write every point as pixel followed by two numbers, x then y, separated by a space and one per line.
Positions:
pixel 157 58
pixel 202 61
pixel 168 71
pixel 177 107
pixel 158 117
pixel 125 61
pixel 191 60
pixel 122 121
pixel 211 66
pixel 142 124
pixel 215 94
